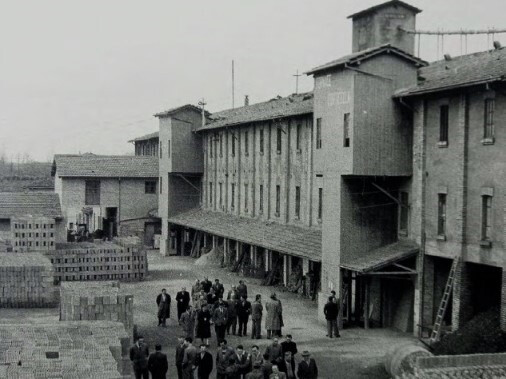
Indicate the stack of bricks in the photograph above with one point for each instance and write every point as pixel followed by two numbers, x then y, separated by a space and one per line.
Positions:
pixel 33 233
pixel 98 261
pixel 96 301
pixel 26 281
pixel 63 350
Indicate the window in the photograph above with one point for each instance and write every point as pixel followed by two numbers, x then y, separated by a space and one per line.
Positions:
pixel 486 217
pixel 318 133
pixel 232 203
pixel 320 203
pixel 246 140
pixel 297 202
pixel 92 192
pixel 161 150
pixel 346 130
pixel 278 199
pixel 443 124
pixel 221 194
pixel 298 136
pixel 246 197
pixel 261 141
pixel 210 145
pixel 221 144
pixel 278 140
pixel 168 148
pixel 403 216
pixel 488 131
pixel 210 193
pixel 261 195
pixel 161 184
pixel 441 215
pixel 150 186
pixel 233 145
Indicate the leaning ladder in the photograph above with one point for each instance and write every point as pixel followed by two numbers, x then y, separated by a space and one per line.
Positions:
pixel 434 337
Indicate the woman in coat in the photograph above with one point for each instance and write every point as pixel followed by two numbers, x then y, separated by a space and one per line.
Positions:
pixel 204 325
pixel 273 318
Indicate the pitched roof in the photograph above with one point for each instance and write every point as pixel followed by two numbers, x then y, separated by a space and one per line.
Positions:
pixel 105 166
pixel 288 239
pixel 17 204
pixel 280 107
pixel 461 71
pixel 178 109
pixel 383 5
pixel 366 54
pixel 145 137
pixel 381 257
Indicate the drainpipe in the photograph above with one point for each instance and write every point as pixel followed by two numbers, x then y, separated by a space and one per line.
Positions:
pixel 119 204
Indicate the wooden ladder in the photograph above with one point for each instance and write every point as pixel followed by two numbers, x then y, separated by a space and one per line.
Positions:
pixel 434 337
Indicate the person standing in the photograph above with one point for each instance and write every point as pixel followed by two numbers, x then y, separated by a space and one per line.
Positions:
pixel 256 373
pixel 255 355
pixel 189 359
pixel 180 356
pixel 223 357
pixel 196 290
pixel 274 316
pixel 204 325
pixel 257 310
pixel 139 353
pixel 331 311
pixel 274 351
pixel 206 285
pixel 287 365
pixel 204 363
pixel 243 312
pixel 232 293
pixel 187 322
pixel 242 361
pixel 163 303
pixel 218 288
pixel 232 315
pixel 211 298
pixel 276 374
pixel 307 368
pixel 183 300
pixel 242 289
pixel 220 319
pixel 289 345
pixel 266 366
pixel 158 364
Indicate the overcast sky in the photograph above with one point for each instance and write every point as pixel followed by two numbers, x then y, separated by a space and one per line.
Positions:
pixel 87 75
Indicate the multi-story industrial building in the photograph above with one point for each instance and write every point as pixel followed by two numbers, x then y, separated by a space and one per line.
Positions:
pixel 146 145
pixel 115 194
pixel 376 180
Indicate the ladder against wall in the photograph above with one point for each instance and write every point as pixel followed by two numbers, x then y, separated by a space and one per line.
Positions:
pixel 436 331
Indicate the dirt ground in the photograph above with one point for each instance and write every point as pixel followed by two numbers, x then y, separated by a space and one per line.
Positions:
pixel 357 354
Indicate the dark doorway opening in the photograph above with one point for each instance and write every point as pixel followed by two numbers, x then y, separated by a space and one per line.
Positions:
pixel 111 222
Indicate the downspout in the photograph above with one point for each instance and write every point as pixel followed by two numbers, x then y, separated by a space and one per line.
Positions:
pixel 119 205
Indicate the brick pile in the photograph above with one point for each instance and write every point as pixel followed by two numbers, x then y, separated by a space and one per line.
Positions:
pixel 63 350
pixel 98 261
pixel 96 301
pixel 30 233
pixel 26 281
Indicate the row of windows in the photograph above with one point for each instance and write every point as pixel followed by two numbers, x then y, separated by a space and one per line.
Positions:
pixel 36 243
pixel 29 226
pixel 261 198
pixel 488 122
pixel 92 190
pixel 22 235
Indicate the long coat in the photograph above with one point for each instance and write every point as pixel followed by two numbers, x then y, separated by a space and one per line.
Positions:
pixel 274 314
pixel 307 371
pixel 257 310
pixel 204 364
pixel 188 323
pixel 158 365
pixel 204 324
pixel 165 306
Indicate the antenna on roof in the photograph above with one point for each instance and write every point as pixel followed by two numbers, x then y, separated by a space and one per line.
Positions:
pixel 233 85
pixel 297 81
pixel 202 104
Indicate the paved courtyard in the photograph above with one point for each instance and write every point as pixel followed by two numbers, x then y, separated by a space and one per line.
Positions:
pixel 357 354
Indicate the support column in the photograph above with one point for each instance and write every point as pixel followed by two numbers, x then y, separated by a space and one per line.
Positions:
pixel 285 269
pixel 214 242
pixel 427 316
pixel 266 259
pixel 252 255
pixel 305 266
pixel 238 251
pixel 205 239
pixel 366 303
pixel 225 250
pixel 503 301
pixel 461 310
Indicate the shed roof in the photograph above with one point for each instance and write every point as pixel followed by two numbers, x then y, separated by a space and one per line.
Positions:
pixel 105 166
pixel 462 71
pixel 280 107
pixel 172 111
pixel 367 54
pixel 18 204
pixel 288 239
pixel 384 5
pixel 145 137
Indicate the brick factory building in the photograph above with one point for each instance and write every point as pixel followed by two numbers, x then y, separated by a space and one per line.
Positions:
pixel 146 145
pixel 117 195
pixel 30 221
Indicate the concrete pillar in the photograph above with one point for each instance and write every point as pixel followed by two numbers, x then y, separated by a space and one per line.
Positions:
pixel 285 269
pixel 205 239
pixel 238 251
pixel 461 310
pixel 427 317
pixel 214 242
pixel 225 250
pixel 503 301
pixel 366 303
pixel 252 255
pixel 305 266
pixel 288 267
pixel 266 259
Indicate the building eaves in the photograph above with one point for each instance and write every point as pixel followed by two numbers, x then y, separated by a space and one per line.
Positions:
pixel 19 204
pixel 145 137
pixel 172 111
pixel 383 5
pixel 369 53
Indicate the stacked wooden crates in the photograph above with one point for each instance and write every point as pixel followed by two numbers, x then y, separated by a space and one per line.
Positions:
pixel 26 281
pixel 101 301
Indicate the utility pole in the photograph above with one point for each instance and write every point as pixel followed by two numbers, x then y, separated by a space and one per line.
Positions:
pixel 233 85
pixel 297 81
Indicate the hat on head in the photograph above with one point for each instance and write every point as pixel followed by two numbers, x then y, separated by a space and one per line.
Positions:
pixel 305 353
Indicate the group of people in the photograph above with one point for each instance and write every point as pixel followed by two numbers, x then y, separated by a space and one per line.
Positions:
pixel 228 314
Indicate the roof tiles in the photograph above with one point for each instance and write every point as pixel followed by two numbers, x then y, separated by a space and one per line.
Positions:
pixel 18 204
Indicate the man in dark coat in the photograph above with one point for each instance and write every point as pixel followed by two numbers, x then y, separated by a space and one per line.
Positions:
pixel 223 357
pixel 243 312
pixel 206 285
pixel 257 310
pixel 220 319
pixel 163 303
pixel 158 364
pixel 211 299
pixel 218 288
pixel 266 366
pixel 180 356
pixel 242 289
pixel 139 353
pixel 331 311
pixel 242 361
pixel 204 362
pixel 307 367
pixel 232 315
pixel 189 359
pixel 183 300
pixel 289 345
pixel 287 365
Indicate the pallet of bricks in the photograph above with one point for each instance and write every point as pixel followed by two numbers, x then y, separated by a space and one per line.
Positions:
pixel 26 281
pixel 30 233
pixel 98 261
pixel 96 301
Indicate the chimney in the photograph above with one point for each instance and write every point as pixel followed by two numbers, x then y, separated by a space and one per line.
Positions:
pixel 246 100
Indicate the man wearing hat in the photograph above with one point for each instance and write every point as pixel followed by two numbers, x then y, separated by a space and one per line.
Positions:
pixel 307 368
